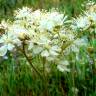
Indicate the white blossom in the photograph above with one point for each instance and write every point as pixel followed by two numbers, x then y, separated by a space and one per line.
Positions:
pixel 6 44
pixel 62 66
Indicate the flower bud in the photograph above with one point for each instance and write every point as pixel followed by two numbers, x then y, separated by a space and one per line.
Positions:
pixel 23 36
pixel 90 49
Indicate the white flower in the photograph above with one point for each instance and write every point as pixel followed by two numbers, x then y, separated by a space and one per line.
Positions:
pixel 46 25
pixel 24 12
pixel 37 14
pixel 81 42
pixel 6 44
pixel 37 49
pixel 51 52
pixel 62 66
pixel 45 53
pixel 3 24
pixel 74 48
pixel 51 58
pixel 44 40
pixel 91 16
pixel 57 18
pixel 31 45
pixel 81 23
pixel 19 31
pixel 54 50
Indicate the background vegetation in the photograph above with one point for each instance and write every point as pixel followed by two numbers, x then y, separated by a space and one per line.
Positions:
pixel 72 7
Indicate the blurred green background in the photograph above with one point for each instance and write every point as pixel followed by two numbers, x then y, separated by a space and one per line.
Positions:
pixel 71 7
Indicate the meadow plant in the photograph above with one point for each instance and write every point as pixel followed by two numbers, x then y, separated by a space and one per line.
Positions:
pixel 52 39
pixel 43 33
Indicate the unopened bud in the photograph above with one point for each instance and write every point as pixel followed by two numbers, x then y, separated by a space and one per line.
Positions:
pixel 23 36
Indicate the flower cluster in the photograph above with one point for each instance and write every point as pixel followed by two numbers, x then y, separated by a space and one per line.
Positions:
pixel 42 33
pixel 85 26
pixel 86 21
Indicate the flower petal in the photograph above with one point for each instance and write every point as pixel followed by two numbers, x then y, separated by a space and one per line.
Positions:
pixel 63 68
pixel 1 40
pixel 45 53
pixel 37 49
pixel 10 47
pixel 3 50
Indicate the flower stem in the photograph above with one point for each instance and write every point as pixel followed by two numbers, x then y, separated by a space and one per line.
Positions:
pixel 29 61
pixel 45 78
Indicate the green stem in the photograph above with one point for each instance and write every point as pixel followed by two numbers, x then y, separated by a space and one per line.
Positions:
pixel 29 61
pixel 45 78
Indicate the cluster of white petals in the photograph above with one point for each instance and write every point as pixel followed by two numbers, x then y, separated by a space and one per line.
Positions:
pixel 45 34
pixel 86 21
